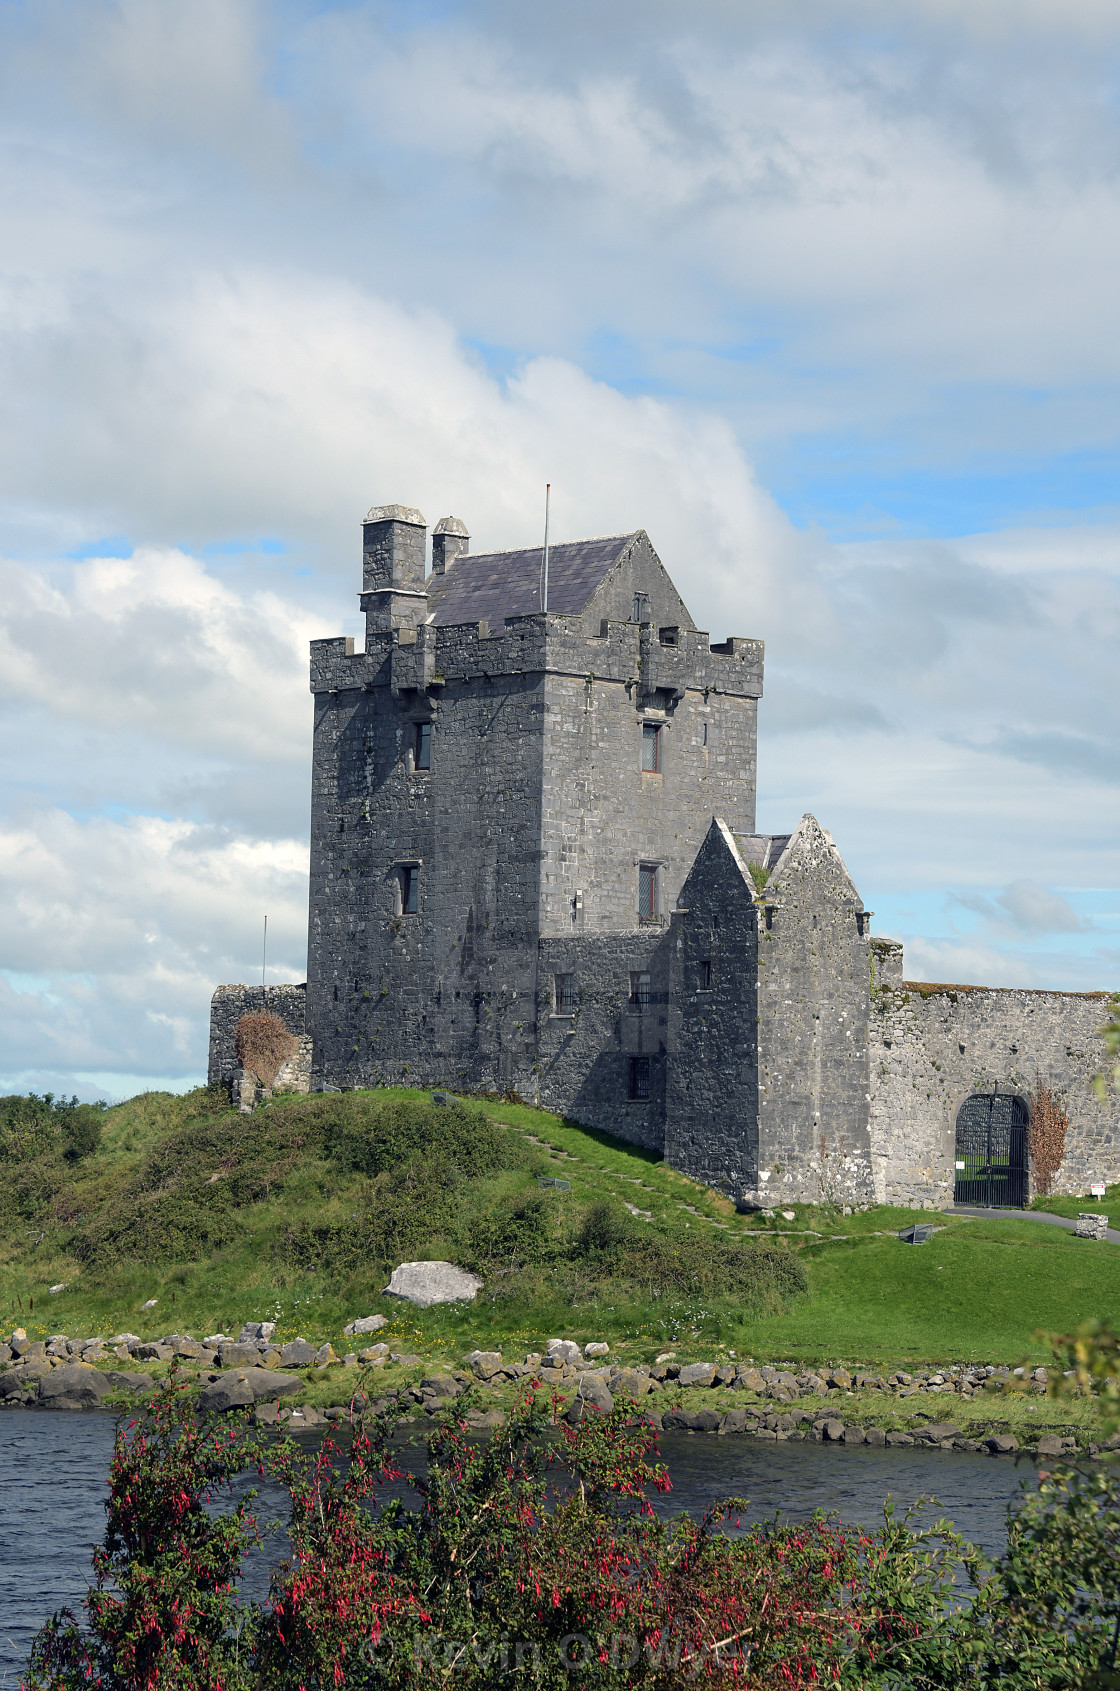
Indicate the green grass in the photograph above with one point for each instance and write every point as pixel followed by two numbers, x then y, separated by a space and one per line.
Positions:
pixel 296 1229
pixel 976 1292
pixel 1073 1207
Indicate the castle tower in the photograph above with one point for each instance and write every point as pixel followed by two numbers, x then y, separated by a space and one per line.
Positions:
pixel 505 806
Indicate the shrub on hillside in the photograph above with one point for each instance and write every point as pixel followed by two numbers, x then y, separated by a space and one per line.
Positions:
pixel 263 1044
pixel 368 1138
pixel 34 1126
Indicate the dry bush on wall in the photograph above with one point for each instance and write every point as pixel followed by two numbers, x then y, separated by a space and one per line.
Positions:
pixel 1046 1136
pixel 264 1045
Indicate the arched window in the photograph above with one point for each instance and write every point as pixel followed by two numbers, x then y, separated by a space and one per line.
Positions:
pixel 991 1160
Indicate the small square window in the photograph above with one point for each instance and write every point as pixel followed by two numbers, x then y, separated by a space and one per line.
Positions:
pixel 647 892
pixel 422 751
pixel 704 976
pixel 639 1078
pixel 667 636
pixel 564 995
pixel 410 889
pixel 651 747
pixel 639 990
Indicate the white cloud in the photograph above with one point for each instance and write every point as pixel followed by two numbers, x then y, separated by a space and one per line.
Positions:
pixel 250 256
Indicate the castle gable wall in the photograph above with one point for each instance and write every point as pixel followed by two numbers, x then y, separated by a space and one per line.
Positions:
pixel 711 1107
pixel 813 995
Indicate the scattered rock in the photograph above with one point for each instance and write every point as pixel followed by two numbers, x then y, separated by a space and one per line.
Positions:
pixel 54 1290
pixel 1051 1444
pixel 487 1418
pixel 875 1436
pixel 236 1356
pixel 77 1382
pixel 297 1354
pixel 373 1356
pixel 254 1330
pixel 367 1324
pixel 833 1431
pixel 151 1303
pixel 736 1421
pixel 440 1385
pixel 596 1350
pixel 243 1386
pixel 629 1383
pixel 427 1283
pixel 128 1382
pixel 565 1350
pixel 897 1440
pixel 593 1389
pixel 853 1435
pixel 789 1215
pixel 697 1374
pixel 937 1432
pixel 484 1364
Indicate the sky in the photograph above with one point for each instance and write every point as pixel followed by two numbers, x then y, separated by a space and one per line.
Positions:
pixel 821 293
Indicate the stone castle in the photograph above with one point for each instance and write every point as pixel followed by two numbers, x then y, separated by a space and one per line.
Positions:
pixel 535 870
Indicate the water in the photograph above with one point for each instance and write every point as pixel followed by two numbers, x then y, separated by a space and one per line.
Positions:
pixel 54 1467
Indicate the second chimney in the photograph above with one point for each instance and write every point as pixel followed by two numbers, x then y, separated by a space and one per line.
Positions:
pixel 450 540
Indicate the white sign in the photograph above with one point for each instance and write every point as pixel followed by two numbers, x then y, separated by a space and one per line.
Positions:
pixel 1097 1191
pixel 960 1165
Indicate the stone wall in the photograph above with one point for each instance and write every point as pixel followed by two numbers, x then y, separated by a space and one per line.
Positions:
pixel 227 1007
pixel 932 1046
pixel 813 992
pixel 711 1116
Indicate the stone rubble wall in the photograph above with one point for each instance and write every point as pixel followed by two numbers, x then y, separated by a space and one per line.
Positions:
pixel 227 1007
pixel 933 1046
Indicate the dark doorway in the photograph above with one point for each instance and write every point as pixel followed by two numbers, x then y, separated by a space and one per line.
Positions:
pixel 992 1151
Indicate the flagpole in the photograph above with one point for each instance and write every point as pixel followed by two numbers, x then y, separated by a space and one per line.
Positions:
pixel 544 556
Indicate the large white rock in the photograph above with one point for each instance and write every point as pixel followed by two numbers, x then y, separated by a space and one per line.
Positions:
pixel 425 1283
pixel 566 1349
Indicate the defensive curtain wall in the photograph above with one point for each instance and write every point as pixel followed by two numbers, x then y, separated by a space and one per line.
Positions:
pixel 933 1048
pixel 534 870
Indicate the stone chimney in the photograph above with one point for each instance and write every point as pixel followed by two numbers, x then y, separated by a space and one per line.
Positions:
pixel 394 541
pixel 449 541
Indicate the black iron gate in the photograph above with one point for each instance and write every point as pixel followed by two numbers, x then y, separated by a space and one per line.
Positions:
pixel 992 1151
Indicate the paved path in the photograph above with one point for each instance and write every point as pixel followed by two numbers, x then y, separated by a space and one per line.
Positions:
pixel 1029 1215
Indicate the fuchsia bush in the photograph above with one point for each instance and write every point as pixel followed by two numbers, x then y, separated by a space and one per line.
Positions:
pixel 536 1560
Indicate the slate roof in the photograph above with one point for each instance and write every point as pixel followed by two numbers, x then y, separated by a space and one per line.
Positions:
pixel 490 586
pixel 762 849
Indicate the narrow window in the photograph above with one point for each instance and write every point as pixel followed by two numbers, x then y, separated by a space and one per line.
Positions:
pixel 423 747
pixel 705 733
pixel 410 889
pixel 651 748
pixel 641 607
pixel 639 1078
pixel 647 892
pixel 564 994
pixel 639 990
pixel 704 976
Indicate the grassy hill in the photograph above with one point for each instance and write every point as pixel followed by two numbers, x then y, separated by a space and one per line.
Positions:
pixel 298 1213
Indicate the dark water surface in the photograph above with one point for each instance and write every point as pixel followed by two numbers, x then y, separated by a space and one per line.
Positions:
pixel 54 1466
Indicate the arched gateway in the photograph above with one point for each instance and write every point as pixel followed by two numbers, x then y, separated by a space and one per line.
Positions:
pixel 991 1160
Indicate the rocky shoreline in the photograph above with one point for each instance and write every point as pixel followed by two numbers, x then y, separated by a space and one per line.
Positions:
pixel 251 1371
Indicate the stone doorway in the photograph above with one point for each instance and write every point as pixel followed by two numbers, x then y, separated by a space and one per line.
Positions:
pixel 991 1151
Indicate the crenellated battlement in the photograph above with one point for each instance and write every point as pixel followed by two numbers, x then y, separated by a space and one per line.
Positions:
pixel 634 654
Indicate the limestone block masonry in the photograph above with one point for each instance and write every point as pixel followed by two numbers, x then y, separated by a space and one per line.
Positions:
pixel 932 1047
pixel 535 871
